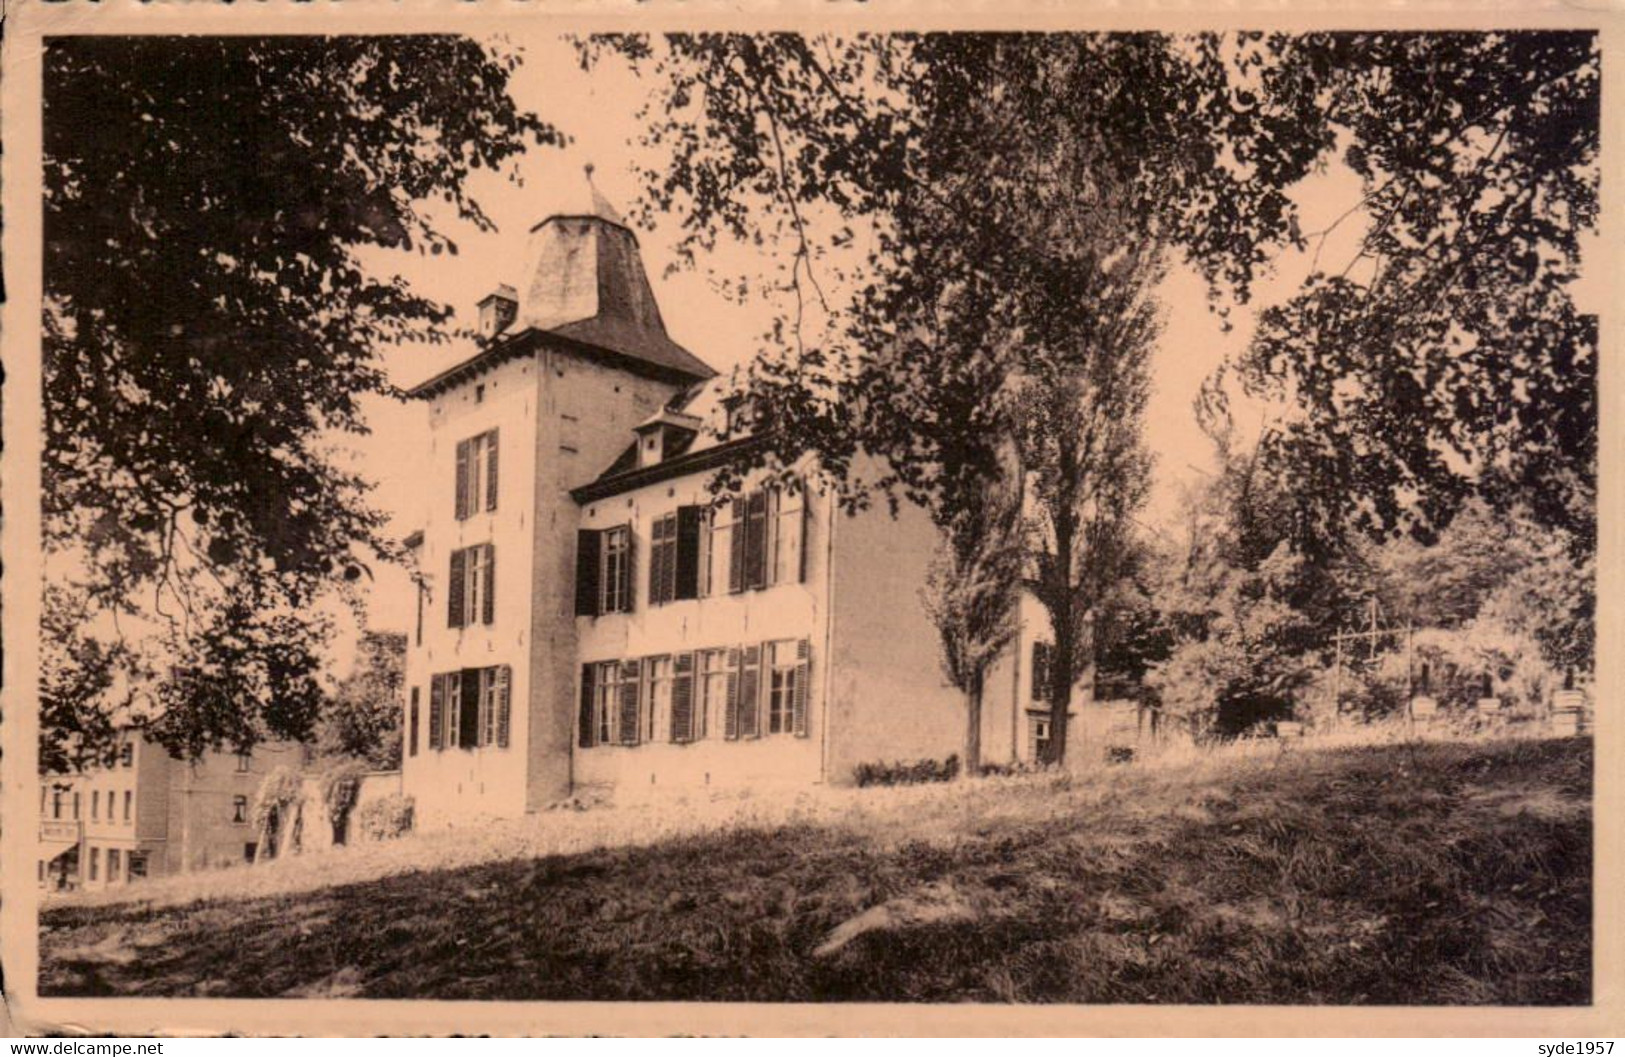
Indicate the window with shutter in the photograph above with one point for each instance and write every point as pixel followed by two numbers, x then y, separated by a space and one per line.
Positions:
pixel 686 567
pixel 783 665
pixel 488 707
pixel 504 704
pixel 629 714
pixel 456 590
pixel 683 725
pixel 658 684
pixel 468 708
pixel 615 572
pixel 412 725
pixel 711 694
pixel 750 692
pixel 663 560
pixel 803 675
pixel 462 479
pixel 587 559
pixel 437 711
pixel 606 700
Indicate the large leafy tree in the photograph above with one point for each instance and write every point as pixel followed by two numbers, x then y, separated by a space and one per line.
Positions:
pixel 895 168
pixel 1444 358
pixel 208 326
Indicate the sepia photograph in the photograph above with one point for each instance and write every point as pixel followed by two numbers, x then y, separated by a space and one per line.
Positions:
pixel 554 513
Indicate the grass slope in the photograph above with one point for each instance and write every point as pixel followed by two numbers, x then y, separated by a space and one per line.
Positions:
pixel 1433 873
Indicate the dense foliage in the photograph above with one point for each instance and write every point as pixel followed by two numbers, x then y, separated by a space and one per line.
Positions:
pixel 207 328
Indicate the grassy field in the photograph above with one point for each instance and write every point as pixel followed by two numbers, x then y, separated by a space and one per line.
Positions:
pixel 1441 872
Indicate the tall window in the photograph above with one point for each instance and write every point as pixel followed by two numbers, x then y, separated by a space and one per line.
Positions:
pixel 782 675
pixel 244 761
pixel 239 810
pixel 656 712
pixel 112 864
pixel 784 535
pixel 75 806
pixel 606 700
pixel 476 474
pixel 129 802
pixel 472 597
pixel 95 803
pixel 713 692
pixel 95 863
pixel 614 577
pixel 126 754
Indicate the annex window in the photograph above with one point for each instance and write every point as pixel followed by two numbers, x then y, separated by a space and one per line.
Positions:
pixel 95 863
pixel 129 804
pixel 1037 737
pixel 112 864
pixel 244 761
pixel 126 754
pixel 476 474
pixel 56 804
pixel 472 595
pixel 95 803
pixel 1043 655
pixel 239 810
pixel 75 806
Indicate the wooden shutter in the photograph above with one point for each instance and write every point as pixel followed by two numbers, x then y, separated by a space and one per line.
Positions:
pixel 489 616
pixel 750 692
pixel 587 733
pixel 686 574
pixel 491 470
pixel 629 576
pixel 455 617
pixel 731 719
pixel 682 698
pixel 630 685
pixel 468 717
pixel 756 540
pixel 504 676
pixel 437 711
pixel 462 479
pixel 412 724
pixel 806 501
pixel 736 548
pixel 668 563
pixel 587 546
pixel 803 674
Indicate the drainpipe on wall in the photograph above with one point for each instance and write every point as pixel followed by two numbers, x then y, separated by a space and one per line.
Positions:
pixel 829 640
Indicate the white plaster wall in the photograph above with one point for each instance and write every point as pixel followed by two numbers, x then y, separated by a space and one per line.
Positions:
pixel 784 611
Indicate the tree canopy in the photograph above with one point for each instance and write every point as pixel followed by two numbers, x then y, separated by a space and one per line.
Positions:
pixel 208 329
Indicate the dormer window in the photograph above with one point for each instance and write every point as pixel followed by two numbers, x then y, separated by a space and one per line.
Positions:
pixel 498 310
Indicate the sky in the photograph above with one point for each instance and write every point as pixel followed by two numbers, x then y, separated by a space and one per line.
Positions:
pixel 598 111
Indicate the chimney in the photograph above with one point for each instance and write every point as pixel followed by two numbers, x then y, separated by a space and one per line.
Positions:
pixel 497 311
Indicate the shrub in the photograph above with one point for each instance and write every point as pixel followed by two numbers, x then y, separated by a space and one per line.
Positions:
pixel 386 818
pixel 340 786
pixel 1009 770
pixel 907 773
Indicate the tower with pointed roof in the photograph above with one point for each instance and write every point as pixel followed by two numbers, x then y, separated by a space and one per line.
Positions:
pixel 571 358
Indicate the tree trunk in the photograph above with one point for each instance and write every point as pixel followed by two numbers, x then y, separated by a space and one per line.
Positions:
pixel 1063 659
pixel 973 728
